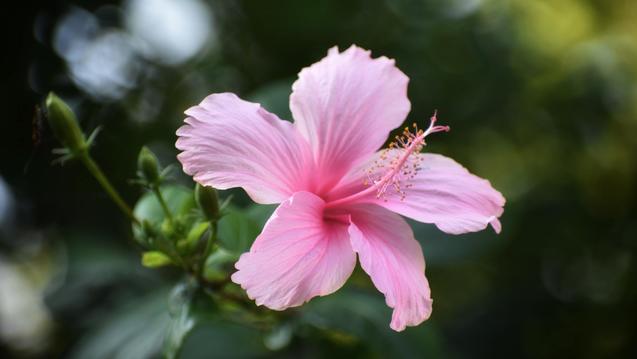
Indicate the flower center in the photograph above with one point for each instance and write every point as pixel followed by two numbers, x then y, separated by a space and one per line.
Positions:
pixel 397 164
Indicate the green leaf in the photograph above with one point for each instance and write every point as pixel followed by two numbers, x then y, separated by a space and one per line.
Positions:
pixel 237 231
pixel 132 330
pixel 239 228
pixel 181 320
pixel 180 201
pixel 154 259
pixel 218 264
pixel 260 213
pixel 188 306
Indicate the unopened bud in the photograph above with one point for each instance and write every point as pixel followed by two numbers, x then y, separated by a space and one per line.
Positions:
pixel 64 124
pixel 148 165
pixel 154 259
pixel 208 201
pixel 167 228
pixel 194 236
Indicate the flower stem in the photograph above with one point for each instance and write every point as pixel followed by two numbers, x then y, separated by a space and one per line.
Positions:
pixel 207 250
pixel 164 207
pixel 92 167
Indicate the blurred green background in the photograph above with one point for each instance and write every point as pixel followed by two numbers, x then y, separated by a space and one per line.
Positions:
pixel 541 96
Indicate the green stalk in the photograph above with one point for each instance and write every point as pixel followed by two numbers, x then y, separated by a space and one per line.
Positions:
pixel 164 207
pixel 209 246
pixel 94 169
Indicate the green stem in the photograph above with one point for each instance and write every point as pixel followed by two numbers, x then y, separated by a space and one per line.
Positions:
pixel 164 207
pixel 206 252
pixel 212 240
pixel 92 167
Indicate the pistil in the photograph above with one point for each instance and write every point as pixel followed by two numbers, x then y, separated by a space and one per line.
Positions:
pixel 402 167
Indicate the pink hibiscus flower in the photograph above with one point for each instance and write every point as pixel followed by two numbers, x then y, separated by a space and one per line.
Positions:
pixel 339 196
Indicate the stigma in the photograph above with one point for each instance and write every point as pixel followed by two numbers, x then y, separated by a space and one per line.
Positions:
pixel 400 162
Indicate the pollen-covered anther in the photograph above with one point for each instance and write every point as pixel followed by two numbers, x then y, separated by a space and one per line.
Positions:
pixel 400 163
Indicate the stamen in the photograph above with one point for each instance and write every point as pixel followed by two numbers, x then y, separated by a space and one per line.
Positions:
pixel 405 164
pixel 396 172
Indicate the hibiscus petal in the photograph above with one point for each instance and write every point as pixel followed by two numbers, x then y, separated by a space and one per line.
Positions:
pixel 228 142
pixel 393 259
pixel 442 192
pixel 297 256
pixel 345 105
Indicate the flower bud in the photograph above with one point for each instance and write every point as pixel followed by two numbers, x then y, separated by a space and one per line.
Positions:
pixel 154 259
pixel 148 165
pixel 167 228
pixel 208 202
pixel 194 237
pixel 64 124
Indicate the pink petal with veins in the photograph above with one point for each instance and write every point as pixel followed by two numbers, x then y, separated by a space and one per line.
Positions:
pixel 393 259
pixel 345 106
pixel 227 142
pixel 297 256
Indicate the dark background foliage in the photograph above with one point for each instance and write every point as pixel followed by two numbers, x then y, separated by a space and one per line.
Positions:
pixel 542 100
